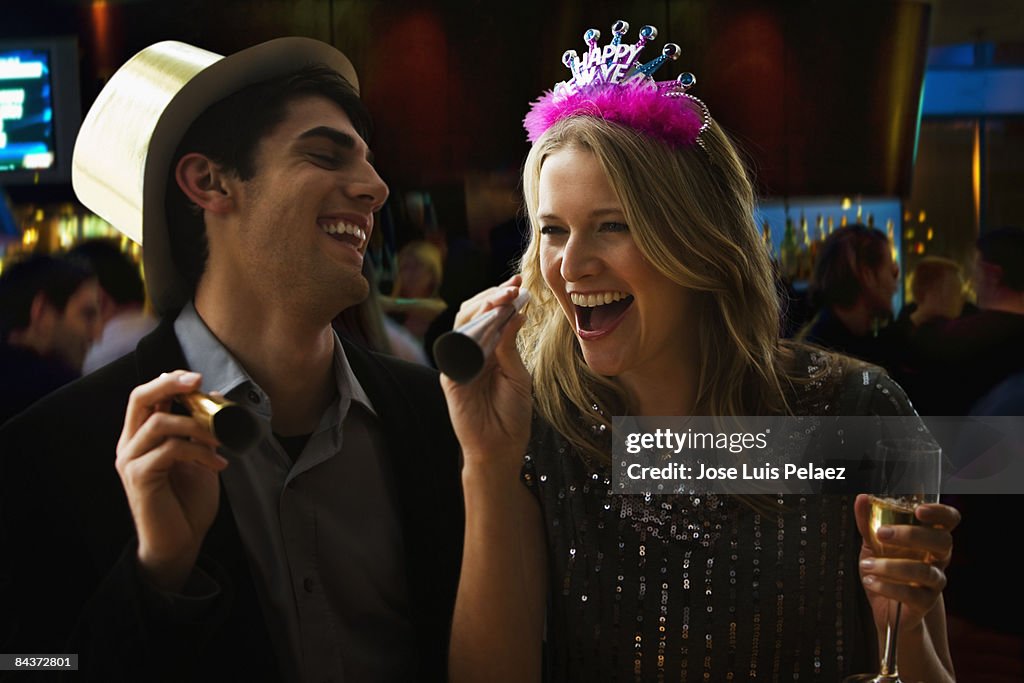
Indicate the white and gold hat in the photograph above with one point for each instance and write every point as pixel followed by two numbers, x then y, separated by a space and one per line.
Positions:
pixel 126 142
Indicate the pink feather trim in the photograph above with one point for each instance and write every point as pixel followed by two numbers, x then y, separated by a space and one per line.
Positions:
pixel 673 120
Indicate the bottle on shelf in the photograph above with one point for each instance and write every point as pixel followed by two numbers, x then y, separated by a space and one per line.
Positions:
pixel 806 259
pixel 789 252
pixel 816 239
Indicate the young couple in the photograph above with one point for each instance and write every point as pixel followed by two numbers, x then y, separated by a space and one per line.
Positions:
pixel 334 548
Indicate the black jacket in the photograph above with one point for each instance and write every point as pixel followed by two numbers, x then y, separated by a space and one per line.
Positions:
pixel 68 582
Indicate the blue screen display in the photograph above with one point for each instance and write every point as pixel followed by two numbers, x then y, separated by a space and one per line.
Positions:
pixel 26 111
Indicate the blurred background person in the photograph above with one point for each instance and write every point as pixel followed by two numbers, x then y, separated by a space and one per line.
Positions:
pixel 122 301
pixel 49 316
pixel 365 324
pixel 976 366
pixel 968 357
pixel 415 296
pixel 936 296
pixel 937 288
pixel 415 300
pixel 853 284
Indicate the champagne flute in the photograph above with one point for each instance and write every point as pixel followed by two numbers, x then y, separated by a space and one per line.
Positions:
pixel 906 474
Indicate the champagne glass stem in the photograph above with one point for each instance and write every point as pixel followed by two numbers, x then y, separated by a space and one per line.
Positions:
pixel 892 627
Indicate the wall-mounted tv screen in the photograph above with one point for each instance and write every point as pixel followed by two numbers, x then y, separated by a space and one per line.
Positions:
pixel 40 110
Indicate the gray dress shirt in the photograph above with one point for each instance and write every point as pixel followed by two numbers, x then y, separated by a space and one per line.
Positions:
pixel 322 534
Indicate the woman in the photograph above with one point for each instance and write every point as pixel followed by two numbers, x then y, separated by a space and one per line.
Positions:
pixel 652 295
pixel 415 300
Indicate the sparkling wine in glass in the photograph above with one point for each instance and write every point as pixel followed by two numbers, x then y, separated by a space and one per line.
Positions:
pixel 906 473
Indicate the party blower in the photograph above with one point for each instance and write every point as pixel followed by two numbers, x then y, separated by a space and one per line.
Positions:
pixel 234 425
pixel 461 353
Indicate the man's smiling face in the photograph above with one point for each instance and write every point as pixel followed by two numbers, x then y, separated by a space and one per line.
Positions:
pixel 305 217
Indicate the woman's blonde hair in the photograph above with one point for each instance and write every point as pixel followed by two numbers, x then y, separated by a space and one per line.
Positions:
pixel 691 214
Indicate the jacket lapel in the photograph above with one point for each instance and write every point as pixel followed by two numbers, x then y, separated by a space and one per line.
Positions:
pixel 159 351
pixel 414 478
pixel 402 431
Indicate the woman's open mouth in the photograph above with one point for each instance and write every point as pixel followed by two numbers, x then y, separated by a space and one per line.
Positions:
pixel 599 314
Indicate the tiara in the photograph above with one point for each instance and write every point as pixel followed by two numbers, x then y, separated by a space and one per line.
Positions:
pixel 611 84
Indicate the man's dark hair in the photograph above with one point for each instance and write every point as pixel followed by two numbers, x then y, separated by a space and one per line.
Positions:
pixel 229 131
pixel 57 277
pixel 836 277
pixel 1004 247
pixel 118 274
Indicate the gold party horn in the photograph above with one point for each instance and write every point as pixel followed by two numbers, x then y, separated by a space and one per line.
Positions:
pixel 234 425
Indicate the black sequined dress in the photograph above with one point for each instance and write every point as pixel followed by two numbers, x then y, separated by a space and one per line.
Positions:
pixel 706 588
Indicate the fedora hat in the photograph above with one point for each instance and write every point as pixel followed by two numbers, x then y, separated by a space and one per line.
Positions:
pixel 127 140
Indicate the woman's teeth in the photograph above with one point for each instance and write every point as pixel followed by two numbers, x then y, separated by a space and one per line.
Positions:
pixel 344 228
pixel 592 300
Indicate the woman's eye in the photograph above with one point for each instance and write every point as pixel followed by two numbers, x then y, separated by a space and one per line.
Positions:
pixel 615 227
pixel 551 230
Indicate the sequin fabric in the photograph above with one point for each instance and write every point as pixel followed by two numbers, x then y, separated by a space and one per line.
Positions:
pixel 706 588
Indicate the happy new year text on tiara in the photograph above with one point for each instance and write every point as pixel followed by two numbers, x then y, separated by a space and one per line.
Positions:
pixel 610 83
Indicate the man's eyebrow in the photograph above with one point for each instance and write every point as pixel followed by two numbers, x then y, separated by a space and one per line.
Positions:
pixel 343 140
pixel 334 135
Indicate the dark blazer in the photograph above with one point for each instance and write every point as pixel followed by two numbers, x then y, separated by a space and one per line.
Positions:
pixel 68 582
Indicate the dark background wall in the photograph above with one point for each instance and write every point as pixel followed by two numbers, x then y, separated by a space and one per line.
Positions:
pixel 823 95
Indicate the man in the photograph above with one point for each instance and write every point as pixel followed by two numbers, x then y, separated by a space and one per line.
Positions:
pixel 976 367
pixel 49 316
pixel 968 357
pixel 122 301
pixel 854 281
pixel 331 550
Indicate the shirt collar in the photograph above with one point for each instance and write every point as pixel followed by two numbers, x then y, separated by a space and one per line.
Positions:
pixel 206 355
pixel 222 373
pixel 347 378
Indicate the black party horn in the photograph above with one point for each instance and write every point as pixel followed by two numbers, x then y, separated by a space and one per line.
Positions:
pixel 461 353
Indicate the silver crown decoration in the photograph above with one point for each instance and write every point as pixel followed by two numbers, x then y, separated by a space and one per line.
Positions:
pixel 616 63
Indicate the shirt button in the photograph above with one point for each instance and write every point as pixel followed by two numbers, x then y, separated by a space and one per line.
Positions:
pixel 307 583
pixel 253 396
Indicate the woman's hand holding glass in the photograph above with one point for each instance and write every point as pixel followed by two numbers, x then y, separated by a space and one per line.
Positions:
pixel 913 571
pixel 907 543
pixel 491 414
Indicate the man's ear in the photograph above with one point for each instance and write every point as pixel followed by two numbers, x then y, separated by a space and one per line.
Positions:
pixel 204 183
pixel 866 276
pixel 42 316
pixel 107 306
